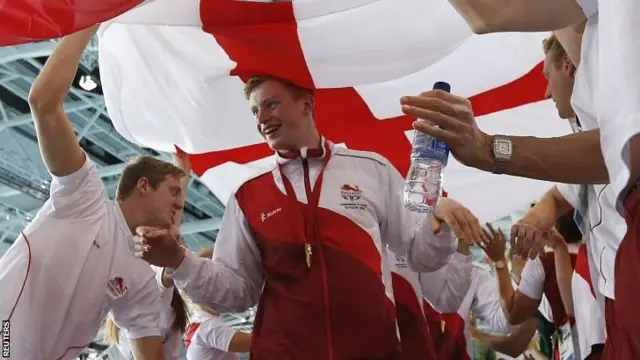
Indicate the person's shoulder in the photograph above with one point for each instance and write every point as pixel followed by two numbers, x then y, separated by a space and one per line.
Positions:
pixel 361 157
pixel 257 178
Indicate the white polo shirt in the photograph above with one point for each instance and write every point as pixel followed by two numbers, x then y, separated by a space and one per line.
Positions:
pixel 73 265
pixel 211 340
pixel 171 339
pixel 618 82
pixel 607 227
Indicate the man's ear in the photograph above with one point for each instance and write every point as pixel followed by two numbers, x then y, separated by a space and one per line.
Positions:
pixel 143 186
pixel 309 103
pixel 568 66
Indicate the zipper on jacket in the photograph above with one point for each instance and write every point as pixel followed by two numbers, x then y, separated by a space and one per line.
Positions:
pixel 323 269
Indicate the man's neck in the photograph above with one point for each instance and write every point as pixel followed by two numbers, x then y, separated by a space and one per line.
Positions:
pixel 313 142
pixel 130 214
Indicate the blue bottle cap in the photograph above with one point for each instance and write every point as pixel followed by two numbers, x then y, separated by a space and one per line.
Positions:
pixel 441 85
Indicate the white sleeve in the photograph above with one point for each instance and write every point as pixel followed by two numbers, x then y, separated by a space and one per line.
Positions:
pixel 487 305
pixel 618 90
pixel 231 281
pixel 589 7
pixel 446 288
pixel 139 317
pixel 571 193
pixel 532 279
pixel 215 334
pixel 410 233
pixel 77 195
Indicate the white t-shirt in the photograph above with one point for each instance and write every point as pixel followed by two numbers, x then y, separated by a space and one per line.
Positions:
pixel 73 265
pixel 618 79
pixel 462 288
pixel 172 340
pixel 607 226
pixel 211 340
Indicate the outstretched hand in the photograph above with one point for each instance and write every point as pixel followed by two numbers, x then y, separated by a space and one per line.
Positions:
pixel 528 236
pixel 494 243
pixel 159 247
pixel 461 220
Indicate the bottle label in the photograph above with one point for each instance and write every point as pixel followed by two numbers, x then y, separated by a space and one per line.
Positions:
pixel 427 147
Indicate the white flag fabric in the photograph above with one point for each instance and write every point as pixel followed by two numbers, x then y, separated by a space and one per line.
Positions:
pixel 172 75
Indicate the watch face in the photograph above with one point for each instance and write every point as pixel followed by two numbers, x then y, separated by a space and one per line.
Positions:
pixel 503 147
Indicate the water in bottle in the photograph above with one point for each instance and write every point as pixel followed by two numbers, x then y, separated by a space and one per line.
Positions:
pixel 423 185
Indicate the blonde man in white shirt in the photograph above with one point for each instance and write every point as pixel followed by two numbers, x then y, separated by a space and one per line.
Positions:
pixel 74 262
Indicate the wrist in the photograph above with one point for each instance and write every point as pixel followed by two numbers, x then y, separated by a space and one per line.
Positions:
pixel 500 264
pixel 486 160
pixel 177 259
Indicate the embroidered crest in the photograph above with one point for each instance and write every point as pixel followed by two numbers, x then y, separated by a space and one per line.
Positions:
pixel 116 287
pixel 352 194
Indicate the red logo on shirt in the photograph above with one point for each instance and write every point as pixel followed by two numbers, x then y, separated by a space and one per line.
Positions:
pixel 116 287
pixel 350 192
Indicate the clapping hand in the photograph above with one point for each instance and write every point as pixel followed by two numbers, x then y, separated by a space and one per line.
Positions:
pixel 528 236
pixel 494 244
pixel 159 247
pixel 461 220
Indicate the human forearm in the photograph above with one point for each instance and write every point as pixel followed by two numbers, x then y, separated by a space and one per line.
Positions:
pixel 506 290
pixel 573 159
pixel 485 16
pixel 213 284
pixel 564 273
pixel 513 344
pixel 571 40
pixel 428 251
pixel 51 86
pixel 549 208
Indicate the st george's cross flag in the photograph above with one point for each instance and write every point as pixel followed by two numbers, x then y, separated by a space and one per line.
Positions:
pixel 172 75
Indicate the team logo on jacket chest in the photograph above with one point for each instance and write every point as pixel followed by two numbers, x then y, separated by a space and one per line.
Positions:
pixel 116 287
pixel 351 193
pixel 265 216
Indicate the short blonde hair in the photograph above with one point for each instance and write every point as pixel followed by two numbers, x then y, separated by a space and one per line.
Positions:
pixel 255 81
pixel 554 49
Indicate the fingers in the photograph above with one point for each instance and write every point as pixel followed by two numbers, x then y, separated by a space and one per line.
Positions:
pixel 142 230
pixel 440 95
pixel 139 248
pixel 435 223
pixel 433 130
pixel 433 104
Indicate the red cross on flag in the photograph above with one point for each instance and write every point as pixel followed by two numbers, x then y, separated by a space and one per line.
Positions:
pixel 172 74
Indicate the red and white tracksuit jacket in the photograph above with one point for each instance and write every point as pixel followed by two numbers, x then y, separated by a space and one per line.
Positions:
pixel 318 273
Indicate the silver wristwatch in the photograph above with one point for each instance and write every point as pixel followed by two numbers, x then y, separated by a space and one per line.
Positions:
pixel 502 150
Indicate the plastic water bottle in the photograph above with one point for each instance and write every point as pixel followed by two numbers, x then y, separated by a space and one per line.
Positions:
pixel 423 185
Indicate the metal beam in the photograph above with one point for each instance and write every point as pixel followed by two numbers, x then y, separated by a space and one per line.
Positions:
pixel 69 107
pixel 116 169
pixel 33 50
pixel 198 226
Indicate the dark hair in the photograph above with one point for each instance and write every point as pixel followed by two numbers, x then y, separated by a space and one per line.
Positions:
pixel 568 228
pixel 149 167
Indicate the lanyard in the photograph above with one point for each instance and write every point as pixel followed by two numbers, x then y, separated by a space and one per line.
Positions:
pixel 308 212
